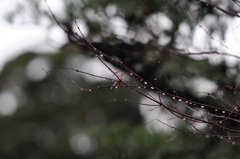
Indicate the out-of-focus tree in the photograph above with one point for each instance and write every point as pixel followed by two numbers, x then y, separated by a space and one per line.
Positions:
pixel 53 118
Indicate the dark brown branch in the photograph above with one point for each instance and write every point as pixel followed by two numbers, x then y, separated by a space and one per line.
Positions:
pixel 219 8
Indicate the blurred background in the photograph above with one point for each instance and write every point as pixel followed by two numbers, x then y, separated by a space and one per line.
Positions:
pixel 44 115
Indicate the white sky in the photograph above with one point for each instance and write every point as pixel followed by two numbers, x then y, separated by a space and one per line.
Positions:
pixel 19 37
pixel 24 36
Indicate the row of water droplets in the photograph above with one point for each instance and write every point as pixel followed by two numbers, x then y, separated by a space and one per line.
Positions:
pixel 173 97
pixel 152 87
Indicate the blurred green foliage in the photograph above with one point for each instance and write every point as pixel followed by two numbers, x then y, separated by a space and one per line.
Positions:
pixel 54 119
